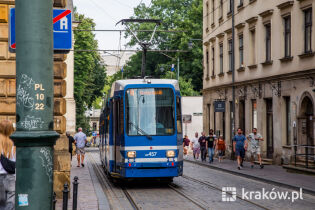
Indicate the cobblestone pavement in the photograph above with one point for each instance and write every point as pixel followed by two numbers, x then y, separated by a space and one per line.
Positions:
pixel 199 188
pixel 270 173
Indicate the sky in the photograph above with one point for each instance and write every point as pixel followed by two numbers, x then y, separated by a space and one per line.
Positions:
pixel 106 13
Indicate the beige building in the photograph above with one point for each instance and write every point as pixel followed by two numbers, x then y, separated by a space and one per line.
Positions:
pixel 64 104
pixel 274 72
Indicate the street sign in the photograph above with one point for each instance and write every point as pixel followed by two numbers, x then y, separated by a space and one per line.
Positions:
pixel 186 118
pixel 62 29
pixel 219 106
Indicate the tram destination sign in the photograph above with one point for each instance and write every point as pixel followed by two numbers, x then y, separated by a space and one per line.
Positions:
pixel 219 106
pixel 62 29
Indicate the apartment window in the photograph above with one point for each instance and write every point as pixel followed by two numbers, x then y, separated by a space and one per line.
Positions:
pixel 288 120
pixel 230 55
pixel 221 9
pixel 207 62
pixel 213 11
pixel 241 3
pixel 212 61
pixel 221 58
pixel 253 46
pixel 254 113
pixel 230 9
pixel 308 30
pixel 268 41
pixel 287 36
pixel 207 15
pixel 241 49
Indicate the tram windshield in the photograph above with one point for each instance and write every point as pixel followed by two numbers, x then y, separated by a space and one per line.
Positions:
pixel 150 111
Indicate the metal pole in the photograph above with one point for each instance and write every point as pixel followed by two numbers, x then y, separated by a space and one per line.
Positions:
pixel 65 197
pixel 75 193
pixel 233 77
pixel 34 137
pixel 178 68
pixel 144 58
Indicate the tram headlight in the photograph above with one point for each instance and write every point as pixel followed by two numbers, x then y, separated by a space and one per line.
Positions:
pixel 131 154
pixel 170 153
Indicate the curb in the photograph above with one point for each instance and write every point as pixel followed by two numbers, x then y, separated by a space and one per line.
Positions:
pixel 280 184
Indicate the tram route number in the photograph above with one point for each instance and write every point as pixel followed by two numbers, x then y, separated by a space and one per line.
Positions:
pixel 151 154
pixel 39 97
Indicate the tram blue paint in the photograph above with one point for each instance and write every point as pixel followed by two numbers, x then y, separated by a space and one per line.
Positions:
pixel 150 160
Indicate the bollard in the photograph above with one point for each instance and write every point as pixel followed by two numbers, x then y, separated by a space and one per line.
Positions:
pixel 65 197
pixel 54 201
pixel 75 193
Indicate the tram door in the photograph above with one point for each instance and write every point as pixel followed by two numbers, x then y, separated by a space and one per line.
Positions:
pixel 115 130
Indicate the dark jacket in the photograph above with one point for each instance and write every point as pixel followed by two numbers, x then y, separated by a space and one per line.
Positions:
pixel 71 140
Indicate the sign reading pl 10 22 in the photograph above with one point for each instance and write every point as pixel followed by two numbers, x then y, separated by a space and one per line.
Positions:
pixel 62 29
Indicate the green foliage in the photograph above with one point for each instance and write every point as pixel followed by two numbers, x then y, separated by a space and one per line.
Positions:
pixel 89 74
pixel 185 86
pixel 179 15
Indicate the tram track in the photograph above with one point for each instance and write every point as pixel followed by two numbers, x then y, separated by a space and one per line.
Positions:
pixel 112 192
pixel 220 189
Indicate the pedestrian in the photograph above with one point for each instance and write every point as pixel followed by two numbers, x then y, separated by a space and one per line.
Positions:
pixel 80 141
pixel 186 142
pixel 254 147
pixel 239 147
pixel 195 146
pixel 220 148
pixel 211 142
pixel 7 167
pixel 71 141
pixel 203 146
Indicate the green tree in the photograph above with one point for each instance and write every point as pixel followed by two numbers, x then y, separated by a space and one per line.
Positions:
pixel 89 73
pixel 179 15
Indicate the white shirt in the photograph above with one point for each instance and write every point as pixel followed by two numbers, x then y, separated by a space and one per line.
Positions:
pixel 2 171
pixel 195 142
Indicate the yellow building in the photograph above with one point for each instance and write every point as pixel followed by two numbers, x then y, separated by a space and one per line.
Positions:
pixel 63 93
pixel 274 72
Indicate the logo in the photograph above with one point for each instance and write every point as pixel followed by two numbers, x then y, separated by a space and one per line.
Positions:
pixel 232 194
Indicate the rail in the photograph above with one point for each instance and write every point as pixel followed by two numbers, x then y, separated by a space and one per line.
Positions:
pixel 309 154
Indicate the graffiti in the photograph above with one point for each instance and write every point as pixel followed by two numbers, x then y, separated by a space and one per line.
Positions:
pixel 27 81
pixel 24 98
pixel 31 122
pixel 47 162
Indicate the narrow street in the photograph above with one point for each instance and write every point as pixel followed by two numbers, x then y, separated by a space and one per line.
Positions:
pixel 199 188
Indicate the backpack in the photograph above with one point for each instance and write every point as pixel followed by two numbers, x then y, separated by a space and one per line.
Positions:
pixel 7 164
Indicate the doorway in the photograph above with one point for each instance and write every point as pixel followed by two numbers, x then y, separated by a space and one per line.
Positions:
pixel 241 115
pixel 306 124
pixel 269 123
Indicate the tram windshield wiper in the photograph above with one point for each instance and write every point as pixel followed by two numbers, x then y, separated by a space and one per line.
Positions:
pixel 141 131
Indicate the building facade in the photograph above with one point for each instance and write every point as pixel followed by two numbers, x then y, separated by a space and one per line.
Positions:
pixel 274 72
pixel 64 104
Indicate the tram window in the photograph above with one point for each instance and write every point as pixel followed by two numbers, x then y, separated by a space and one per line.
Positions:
pixel 150 111
pixel 121 117
pixel 179 115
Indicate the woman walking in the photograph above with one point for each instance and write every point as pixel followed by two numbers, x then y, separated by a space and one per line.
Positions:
pixel 221 148
pixel 7 167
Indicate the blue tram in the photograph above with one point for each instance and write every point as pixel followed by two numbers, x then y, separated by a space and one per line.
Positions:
pixel 141 129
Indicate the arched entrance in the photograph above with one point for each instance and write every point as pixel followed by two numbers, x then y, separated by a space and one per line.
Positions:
pixel 306 122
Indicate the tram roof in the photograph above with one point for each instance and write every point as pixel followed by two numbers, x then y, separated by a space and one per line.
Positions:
pixel 121 84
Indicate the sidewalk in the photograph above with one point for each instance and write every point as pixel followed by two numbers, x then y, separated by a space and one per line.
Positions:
pixel 271 174
pixel 87 198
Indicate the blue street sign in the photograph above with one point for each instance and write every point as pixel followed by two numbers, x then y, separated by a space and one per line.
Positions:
pixel 62 28
pixel 173 67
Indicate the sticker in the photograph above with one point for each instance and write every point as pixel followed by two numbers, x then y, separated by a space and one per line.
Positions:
pixel 23 199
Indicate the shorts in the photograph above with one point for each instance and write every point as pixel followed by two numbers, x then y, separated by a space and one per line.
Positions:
pixel 196 151
pixel 240 152
pixel 221 153
pixel 254 150
pixel 80 151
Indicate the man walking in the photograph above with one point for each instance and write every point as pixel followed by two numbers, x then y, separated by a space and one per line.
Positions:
pixel 254 147
pixel 80 141
pixel 211 142
pixel 195 146
pixel 71 140
pixel 239 146
pixel 203 146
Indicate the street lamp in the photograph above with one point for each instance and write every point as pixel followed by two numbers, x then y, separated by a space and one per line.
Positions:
pixel 191 44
